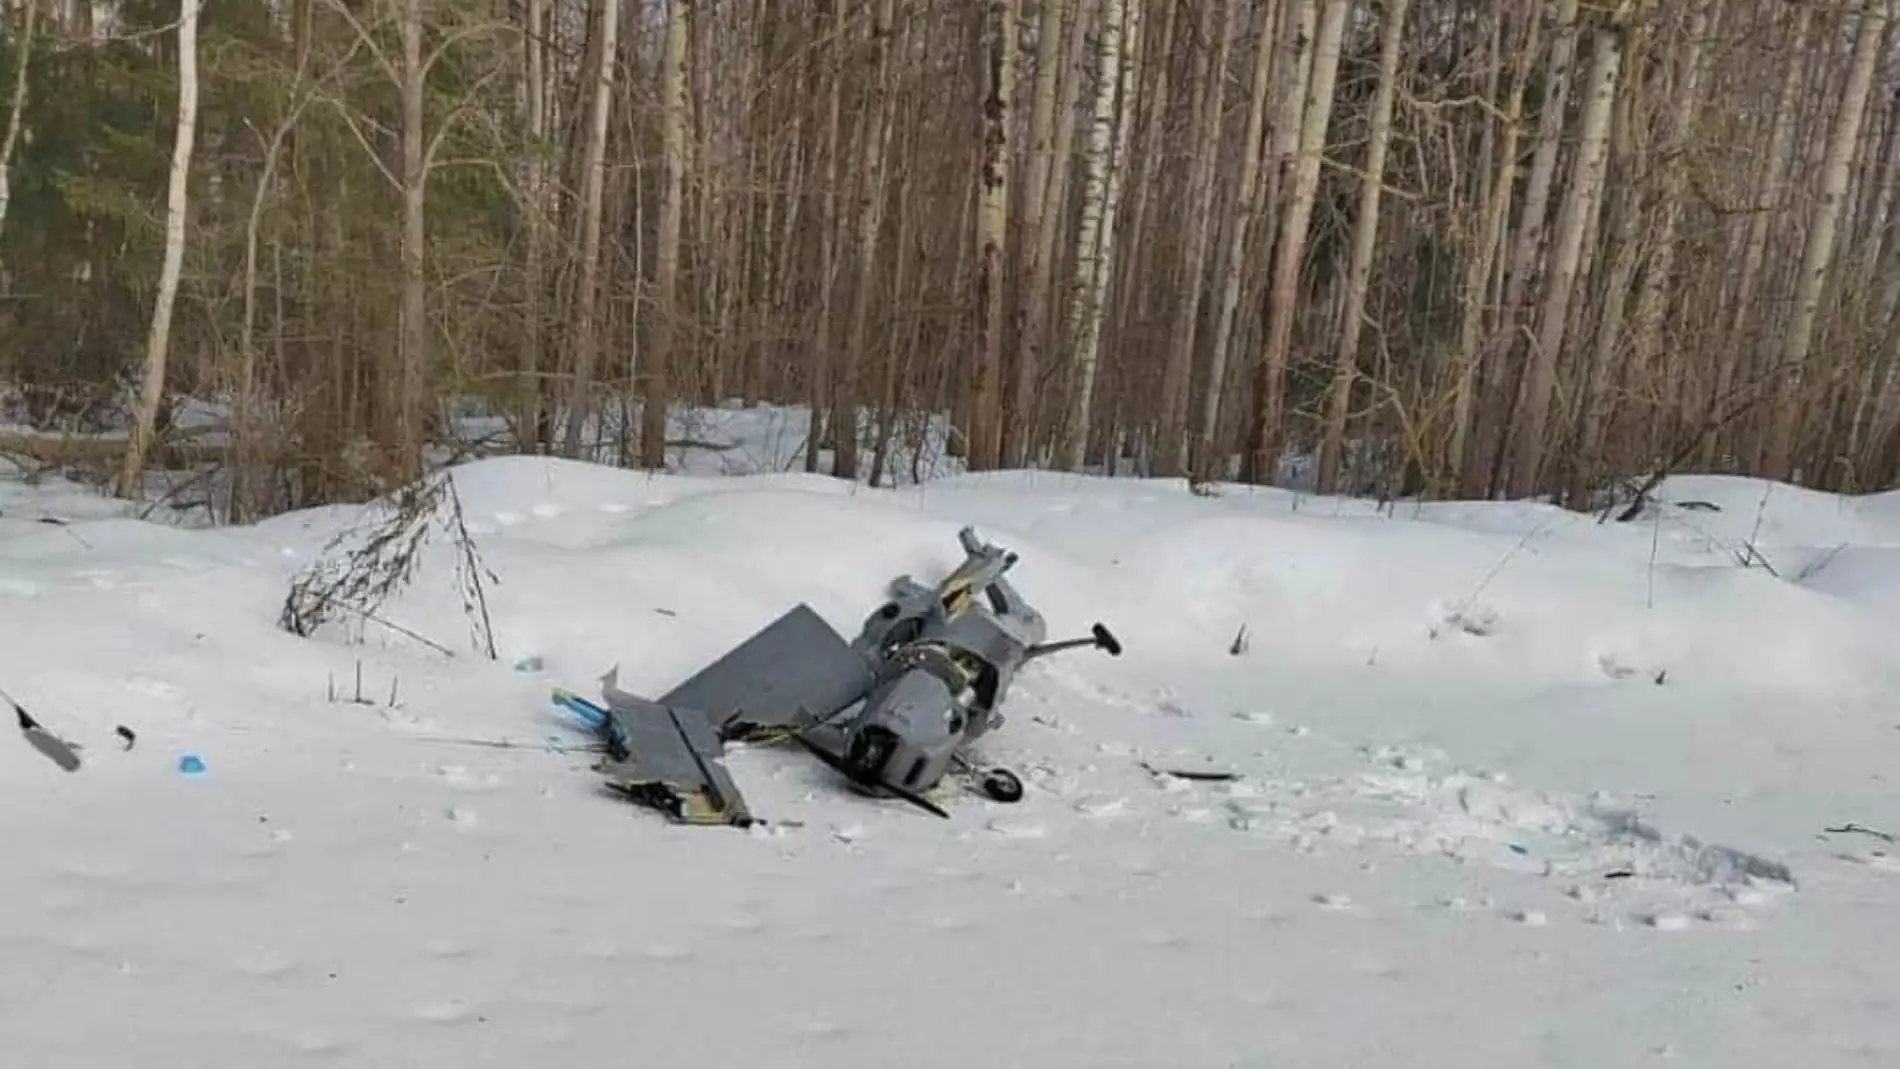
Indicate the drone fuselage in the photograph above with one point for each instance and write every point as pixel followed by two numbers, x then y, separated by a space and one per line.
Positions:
pixel 944 658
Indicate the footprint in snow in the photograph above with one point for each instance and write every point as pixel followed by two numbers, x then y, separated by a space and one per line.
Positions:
pixel 446 1011
pixel 1101 806
pixel 613 507
pixel 1873 859
pixel 462 776
pixel 547 511
pixel 151 688
pixel 510 519
pixel 317 1043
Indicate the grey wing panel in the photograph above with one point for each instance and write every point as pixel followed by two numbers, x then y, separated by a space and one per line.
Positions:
pixel 674 760
pixel 795 664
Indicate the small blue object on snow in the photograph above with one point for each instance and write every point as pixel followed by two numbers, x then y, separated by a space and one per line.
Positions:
pixel 1517 849
pixel 191 765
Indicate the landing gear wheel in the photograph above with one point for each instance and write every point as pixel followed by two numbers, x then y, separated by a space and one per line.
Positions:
pixel 1003 785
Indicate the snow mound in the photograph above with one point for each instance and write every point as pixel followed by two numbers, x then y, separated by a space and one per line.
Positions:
pixel 1488 778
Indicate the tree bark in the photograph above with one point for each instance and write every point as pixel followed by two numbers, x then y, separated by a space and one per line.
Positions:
pixel 530 416
pixel 593 191
pixel 1171 452
pixel 1019 430
pixel 1500 382
pixel 870 221
pixel 1108 159
pixel 177 206
pixel 1269 429
pixel 16 112
pixel 1766 206
pixel 1573 217
pixel 986 413
pixel 662 356
pixel 1471 464
pixel 413 349
pixel 1778 455
pixel 1365 232
pixel 1250 195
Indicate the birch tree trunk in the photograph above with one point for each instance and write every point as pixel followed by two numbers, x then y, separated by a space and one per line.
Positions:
pixel 1270 404
pixel 1573 217
pixel 1765 208
pixel 593 191
pixel 1470 464
pixel 1500 379
pixel 243 435
pixel 870 221
pixel 992 224
pixel 16 112
pixel 530 417
pixel 662 356
pixel 1041 330
pixel 819 355
pixel 1652 295
pixel 413 346
pixel 1250 194
pixel 1778 455
pixel 1108 159
pixel 1210 94
pixel 1365 232
pixel 1019 431
pixel 177 205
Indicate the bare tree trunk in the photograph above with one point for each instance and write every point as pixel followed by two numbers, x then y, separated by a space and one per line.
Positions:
pixel 1269 417
pixel 1471 466
pixel 986 388
pixel 1250 194
pixel 1117 76
pixel 1767 205
pixel 530 416
pixel 878 123
pixel 1600 368
pixel 243 434
pixel 177 205
pixel 819 358
pixel 662 357
pixel 1040 331
pixel 1365 233
pixel 1499 379
pixel 1778 454
pixel 1647 318
pixel 16 113
pixel 1019 431
pixel 1171 452
pixel 413 350
pixel 1579 206
pixel 593 191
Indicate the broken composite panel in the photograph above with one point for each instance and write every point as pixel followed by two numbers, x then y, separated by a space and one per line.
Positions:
pixel 894 710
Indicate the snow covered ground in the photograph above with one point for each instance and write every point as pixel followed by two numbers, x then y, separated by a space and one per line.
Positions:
pixel 1516 789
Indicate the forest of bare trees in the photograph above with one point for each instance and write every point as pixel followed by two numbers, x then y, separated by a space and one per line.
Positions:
pixel 1407 247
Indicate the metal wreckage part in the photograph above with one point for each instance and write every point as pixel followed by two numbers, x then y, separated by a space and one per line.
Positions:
pixel 892 711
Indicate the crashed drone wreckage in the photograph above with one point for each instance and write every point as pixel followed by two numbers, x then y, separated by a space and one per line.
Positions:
pixel 893 711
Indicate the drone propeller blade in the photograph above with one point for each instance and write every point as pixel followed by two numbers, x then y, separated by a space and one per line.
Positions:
pixel 838 764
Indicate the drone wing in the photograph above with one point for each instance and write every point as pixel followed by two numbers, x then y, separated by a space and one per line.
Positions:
pixel 666 757
pixel 791 672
